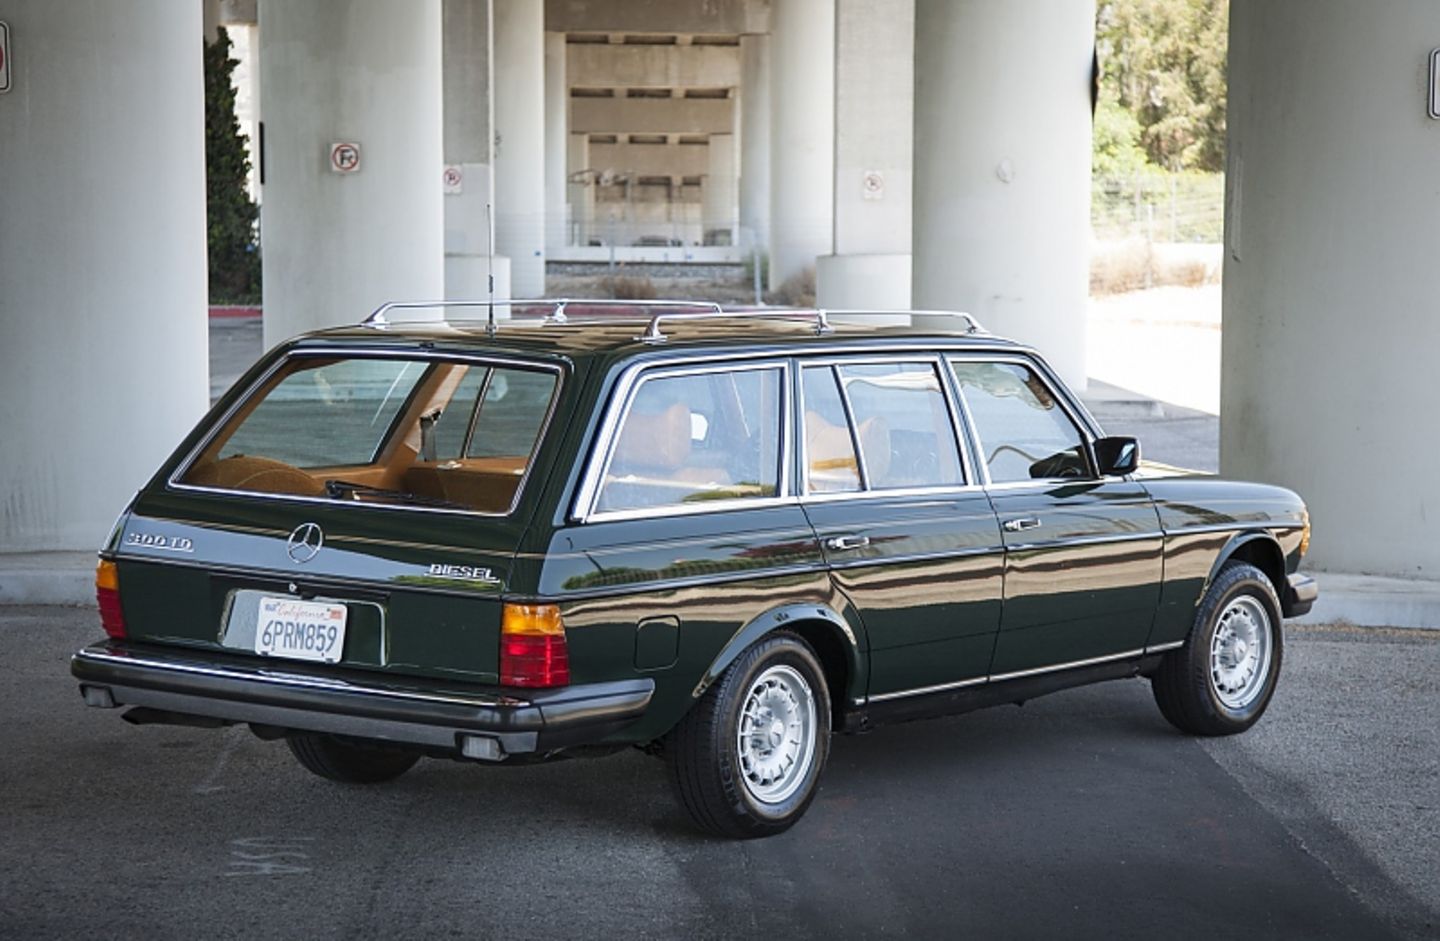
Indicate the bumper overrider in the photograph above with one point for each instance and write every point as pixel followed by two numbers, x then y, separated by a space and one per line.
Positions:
pixel 1300 594
pixel 486 724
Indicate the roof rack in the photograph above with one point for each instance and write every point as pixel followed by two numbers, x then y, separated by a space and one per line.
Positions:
pixel 557 314
pixel 971 324
pixel 668 311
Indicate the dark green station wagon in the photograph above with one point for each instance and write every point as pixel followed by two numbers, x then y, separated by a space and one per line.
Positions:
pixel 716 536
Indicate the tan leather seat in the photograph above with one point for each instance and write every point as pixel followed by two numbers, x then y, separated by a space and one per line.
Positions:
pixel 831 453
pixel 257 474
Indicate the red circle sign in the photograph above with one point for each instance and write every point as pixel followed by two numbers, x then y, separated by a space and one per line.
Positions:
pixel 345 158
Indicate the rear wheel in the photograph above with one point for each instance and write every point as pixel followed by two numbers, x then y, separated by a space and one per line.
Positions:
pixel 349 761
pixel 1221 681
pixel 746 760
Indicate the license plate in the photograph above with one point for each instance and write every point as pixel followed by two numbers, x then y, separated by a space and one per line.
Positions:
pixel 300 630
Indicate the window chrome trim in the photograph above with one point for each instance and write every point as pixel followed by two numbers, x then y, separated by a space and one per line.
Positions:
pixel 173 481
pixel 587 495
pixel 936 361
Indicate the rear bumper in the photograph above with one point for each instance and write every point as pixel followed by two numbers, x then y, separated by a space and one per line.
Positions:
pixel 1300 594
pixel 115 674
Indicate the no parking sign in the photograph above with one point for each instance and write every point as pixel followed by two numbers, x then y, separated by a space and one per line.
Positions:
pixel 4 56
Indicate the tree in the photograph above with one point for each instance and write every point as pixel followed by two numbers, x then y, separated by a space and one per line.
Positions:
pixel 233 236
pixel 1163 61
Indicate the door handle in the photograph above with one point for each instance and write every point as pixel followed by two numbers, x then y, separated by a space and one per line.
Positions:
pixel 842 543
pixel 1020 524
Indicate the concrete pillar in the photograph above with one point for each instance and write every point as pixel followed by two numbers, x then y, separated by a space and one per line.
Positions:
pixel 874 124
pixel 754 94
pixel 802 133
pixel 1002 167
pixel 469 107
pixel 718 208
pixel 1330 281
pixel 336 245
pixel 103 366
pixel 520 142
pixel 557 140
pixel 581 188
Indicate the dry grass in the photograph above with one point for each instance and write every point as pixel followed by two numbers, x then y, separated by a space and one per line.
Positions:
pixel 1134 265
pixel 798 290
pixel 627 288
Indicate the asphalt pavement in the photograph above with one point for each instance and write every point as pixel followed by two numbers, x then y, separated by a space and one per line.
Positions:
pixel 1081 815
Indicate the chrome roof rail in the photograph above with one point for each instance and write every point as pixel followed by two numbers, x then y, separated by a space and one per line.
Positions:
pixel 652 332
pixel 971 324
pixel 556 316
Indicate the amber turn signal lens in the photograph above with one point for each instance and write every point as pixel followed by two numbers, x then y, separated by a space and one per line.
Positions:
pixel 1305 535
pixel 107 596
pixel 532 619
pixel 533 650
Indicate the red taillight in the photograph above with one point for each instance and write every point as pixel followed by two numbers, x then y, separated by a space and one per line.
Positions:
pixel 107 594
pixel 532 646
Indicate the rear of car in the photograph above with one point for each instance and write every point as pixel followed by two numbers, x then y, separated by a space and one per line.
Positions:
pixel 332 552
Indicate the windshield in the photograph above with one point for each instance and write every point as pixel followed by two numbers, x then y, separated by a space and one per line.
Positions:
pixel 449 434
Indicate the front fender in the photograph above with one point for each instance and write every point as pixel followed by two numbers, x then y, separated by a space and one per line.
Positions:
pixel 783 616
pixel 1227 552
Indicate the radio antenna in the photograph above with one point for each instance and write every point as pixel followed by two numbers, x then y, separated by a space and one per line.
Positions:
pixel 490 270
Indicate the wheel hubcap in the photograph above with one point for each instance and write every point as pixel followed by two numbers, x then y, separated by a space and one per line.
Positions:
pixel 775 737
pixel 1240 651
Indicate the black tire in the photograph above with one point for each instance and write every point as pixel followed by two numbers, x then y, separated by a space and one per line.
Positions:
pixel 1186 687
pixel 348 761
pixel 703 752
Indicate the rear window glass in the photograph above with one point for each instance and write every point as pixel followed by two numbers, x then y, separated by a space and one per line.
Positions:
pixel 396 431
pixel 697 438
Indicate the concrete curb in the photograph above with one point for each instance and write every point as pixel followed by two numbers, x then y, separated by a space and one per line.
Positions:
pixel 1373 601
pixel 47 578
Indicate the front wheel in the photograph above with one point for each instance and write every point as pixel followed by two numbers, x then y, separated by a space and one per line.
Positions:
pixel 349 762
pixel 1221 681
pixel 746 760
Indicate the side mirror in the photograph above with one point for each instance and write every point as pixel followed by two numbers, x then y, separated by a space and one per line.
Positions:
pixel 1117 456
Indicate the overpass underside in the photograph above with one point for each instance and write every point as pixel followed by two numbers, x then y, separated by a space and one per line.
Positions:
pixel 914 153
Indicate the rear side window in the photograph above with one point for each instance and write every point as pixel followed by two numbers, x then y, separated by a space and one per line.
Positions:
pixel 696 438
pixel 897 415
pixel 1024 433
pixel 446 434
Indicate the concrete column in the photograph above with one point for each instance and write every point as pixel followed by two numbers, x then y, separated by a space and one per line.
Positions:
pixel 336 245
pixel 755 139
pixel 1330 281
pixel 103 366
pixel 520 142
pixel 470 259
pixel 1002 167
pixel 874 123
pixel 581 191
pixel 719 209
pixel 557 140
pixel 802 132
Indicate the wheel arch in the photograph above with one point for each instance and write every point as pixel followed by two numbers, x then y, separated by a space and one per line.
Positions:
pixel 835 641
pixel 1259 549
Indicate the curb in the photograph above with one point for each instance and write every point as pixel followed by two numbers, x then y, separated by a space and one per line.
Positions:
pixel 65 578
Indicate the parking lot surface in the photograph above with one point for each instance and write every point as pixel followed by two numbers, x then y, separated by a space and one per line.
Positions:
pixel 1079 815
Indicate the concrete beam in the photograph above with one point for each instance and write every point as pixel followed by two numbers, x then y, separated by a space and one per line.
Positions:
pixel 657 16
pixel 650 159
pixel 592 65
pixel 652 115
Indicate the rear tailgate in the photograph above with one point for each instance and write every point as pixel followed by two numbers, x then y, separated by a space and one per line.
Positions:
pixel 420 588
